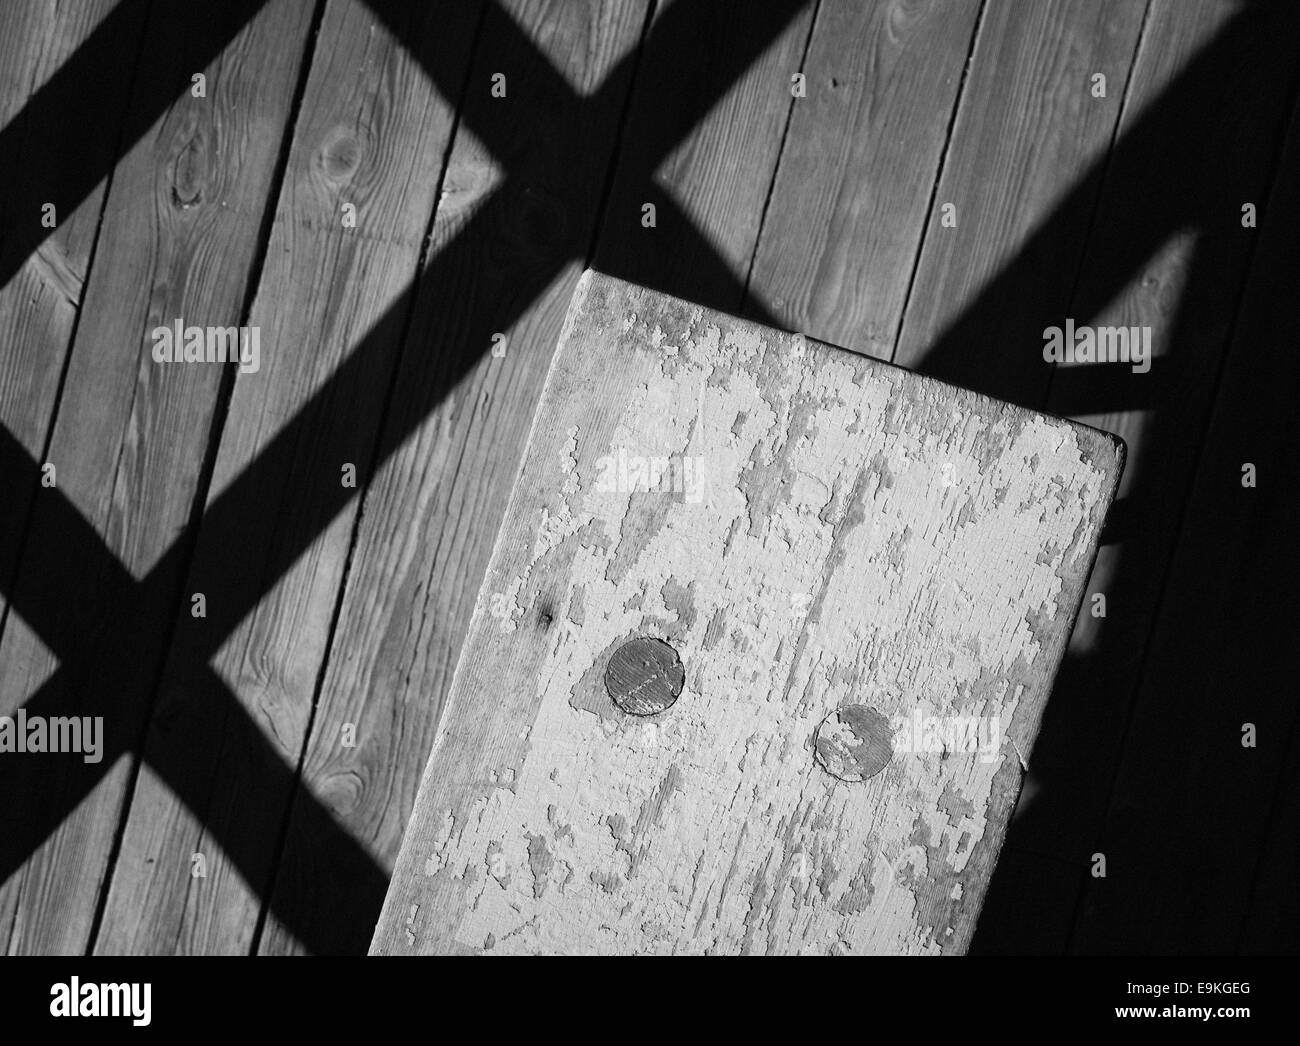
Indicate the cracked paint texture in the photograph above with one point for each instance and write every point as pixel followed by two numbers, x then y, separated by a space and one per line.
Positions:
pixel 809 529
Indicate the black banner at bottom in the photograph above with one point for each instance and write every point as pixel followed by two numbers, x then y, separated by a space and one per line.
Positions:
pixel 349 996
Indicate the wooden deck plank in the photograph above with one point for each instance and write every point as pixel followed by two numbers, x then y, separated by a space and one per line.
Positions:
pixel 1192 809
pixel 720 174
pixel 526 835
pixel 372 133
pixel 1027 133
pixel 181 229
pixel 848 208
pixel 40 304
pixel 433 509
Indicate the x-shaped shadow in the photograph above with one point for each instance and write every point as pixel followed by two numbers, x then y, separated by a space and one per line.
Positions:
pixel 80 600
pixel 83 603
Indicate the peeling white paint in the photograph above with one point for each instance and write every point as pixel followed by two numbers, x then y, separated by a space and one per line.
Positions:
pixel 913 585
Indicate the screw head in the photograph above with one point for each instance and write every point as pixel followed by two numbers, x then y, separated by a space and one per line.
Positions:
pixel 853 743
pixel 644 676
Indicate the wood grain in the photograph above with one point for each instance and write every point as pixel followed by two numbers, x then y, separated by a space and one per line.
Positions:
pixel 372 132
pixel 1024 172
pixel 718 174
pixel 848 208
pixel 431 517
pixel 1027 133
pixel 180 231
pixel 828 530
pixel 40 304
pixel 1151 235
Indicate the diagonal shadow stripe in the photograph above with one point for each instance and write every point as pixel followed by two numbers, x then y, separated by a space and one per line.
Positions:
pixel 98 596
pixel 69 552
pixel 1174 172
pixel 951 358
pixel 59 173
pixel 1163 154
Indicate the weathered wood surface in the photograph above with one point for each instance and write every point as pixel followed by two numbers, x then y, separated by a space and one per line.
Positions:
pixel 372 132
pixel 848 209
pixel 40 303
pixel 990 280
pixel 1024 193
pixel 424 536
pixel 1025 162
pixel 718 176
pixel 832 531
pixel 39 307
pixel 995 279
pixel 181 228
pixel 447 491
pixel 433 512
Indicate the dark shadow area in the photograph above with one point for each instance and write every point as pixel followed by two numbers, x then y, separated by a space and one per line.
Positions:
pixel 1139 757
pixel 1209 143
pixel 77 125
pixel 542 218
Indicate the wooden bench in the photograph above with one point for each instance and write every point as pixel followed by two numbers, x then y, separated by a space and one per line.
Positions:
pixel 760 654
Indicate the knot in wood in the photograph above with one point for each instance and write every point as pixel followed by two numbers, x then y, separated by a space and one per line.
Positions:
pixel 340 155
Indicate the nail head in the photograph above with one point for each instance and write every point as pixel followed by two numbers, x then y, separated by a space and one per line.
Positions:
pixel 644 676
pixel 853 743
